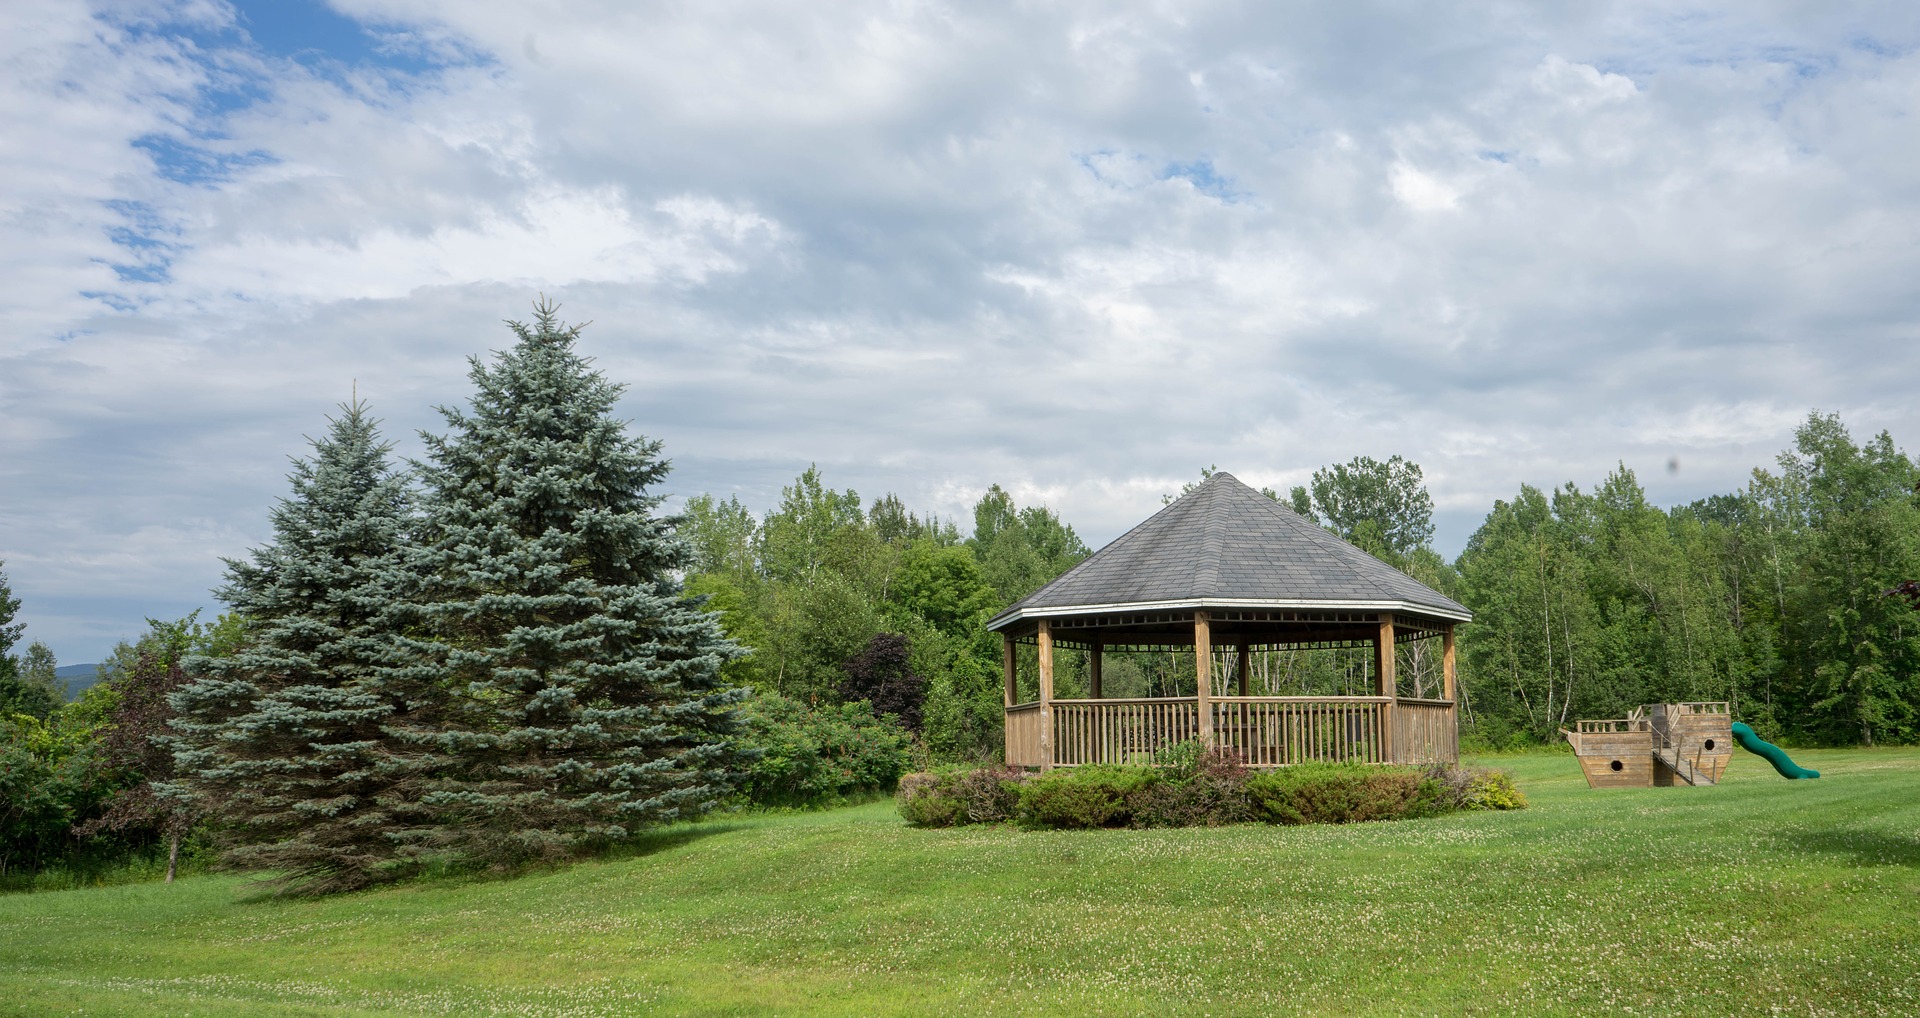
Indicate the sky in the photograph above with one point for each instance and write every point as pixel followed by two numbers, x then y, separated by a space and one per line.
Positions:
pixel 1080 250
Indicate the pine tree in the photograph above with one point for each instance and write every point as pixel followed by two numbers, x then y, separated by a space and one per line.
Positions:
pixel 589 697
pixel 299 740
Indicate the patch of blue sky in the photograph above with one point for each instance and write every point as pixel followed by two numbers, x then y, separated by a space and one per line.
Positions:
pixel 311 32
pixel 1205 179
pixel 186 163
pixel 322 41
pixel 145 236
pixel 116 301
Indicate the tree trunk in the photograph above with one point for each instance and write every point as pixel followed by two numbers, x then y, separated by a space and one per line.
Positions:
pixel 173 855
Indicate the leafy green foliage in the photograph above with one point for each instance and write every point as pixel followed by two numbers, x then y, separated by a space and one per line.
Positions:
pixel 85 789
pixel 29 684
pixel 961 795
pixel 1589 603
pixel 1021 549
pixel 50 780
pixel 818 587
pixel 1382 507
pixel 1344 793
pixel 1096 795
pixel 819 756
pixel 1489 788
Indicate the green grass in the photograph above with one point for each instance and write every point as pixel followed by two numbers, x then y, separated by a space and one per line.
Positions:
pixel 1759 894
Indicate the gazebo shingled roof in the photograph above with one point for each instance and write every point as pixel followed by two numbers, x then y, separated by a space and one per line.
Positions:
pixel 1225 545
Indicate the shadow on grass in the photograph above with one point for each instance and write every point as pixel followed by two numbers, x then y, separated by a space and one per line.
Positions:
pixel 1863 848
pixel 653 841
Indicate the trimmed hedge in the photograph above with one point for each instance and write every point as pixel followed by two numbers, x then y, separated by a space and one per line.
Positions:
pixel 1205 791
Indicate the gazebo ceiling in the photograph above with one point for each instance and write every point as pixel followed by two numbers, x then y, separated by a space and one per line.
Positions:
pixel 1225 546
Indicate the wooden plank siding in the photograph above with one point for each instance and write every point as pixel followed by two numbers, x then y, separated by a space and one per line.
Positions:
pixel 1023 735
pixel 1424 732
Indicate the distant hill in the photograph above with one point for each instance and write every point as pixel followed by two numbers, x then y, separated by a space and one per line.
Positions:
pixel 77 678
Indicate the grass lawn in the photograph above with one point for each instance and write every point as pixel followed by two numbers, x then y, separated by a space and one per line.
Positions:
pixel 1754 896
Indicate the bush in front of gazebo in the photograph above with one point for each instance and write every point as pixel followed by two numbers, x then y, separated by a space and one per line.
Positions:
pixel 1191 789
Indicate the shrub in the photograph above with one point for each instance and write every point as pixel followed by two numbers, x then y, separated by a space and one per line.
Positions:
pixel 929 800
pixel 1181 760
pixel 990 795
pixel 1200 790
pixel 1344 793
pixel 1492 789
pixel 1095 795
pixel 983 795
pixel 817 756
pixel 883 676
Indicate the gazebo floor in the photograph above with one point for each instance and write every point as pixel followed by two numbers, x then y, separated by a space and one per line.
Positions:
pixel 1266 731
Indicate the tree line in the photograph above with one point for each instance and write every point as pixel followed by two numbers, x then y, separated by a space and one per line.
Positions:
pixel 1783 599
pixel 506 652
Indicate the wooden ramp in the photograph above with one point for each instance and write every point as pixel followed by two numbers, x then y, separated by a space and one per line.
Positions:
pixel 1658 745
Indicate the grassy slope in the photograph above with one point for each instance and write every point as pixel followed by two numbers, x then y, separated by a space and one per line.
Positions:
pixel 1759 893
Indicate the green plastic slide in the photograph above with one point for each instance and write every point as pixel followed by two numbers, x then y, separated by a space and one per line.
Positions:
pixel 1774 755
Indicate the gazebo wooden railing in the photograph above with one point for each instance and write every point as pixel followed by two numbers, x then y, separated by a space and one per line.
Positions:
pixel 1265 731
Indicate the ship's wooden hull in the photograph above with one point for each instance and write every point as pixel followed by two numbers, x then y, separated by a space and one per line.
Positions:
pixel 1615 759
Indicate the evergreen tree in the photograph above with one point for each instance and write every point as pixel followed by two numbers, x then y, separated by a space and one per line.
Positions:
pixel 301 738
pixel 12 694
pixel 588 695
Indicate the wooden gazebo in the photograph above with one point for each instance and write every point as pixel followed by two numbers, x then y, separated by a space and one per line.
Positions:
pixel 1232 587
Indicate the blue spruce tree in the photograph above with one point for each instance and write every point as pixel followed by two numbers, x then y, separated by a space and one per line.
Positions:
pixel 587 697
pixel 304 744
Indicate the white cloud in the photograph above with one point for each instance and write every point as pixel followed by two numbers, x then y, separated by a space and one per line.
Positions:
pixel 1077 250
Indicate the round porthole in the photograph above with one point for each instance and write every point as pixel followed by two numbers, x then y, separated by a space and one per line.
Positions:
pixel 1709 745
pixel 1617 765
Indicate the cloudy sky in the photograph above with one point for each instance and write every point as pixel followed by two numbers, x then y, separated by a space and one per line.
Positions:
pixel 1079 249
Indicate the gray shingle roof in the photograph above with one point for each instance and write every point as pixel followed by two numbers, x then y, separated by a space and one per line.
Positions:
pixel 1224 544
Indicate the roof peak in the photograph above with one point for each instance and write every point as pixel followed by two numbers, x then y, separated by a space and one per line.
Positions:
pixel 1225 541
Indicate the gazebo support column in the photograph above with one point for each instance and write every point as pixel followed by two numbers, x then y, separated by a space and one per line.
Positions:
pixel 1008 666
pixel 1446 667
pixel 1384 670
pixel 1203 673
pixel 1093 669
pixel 1044 639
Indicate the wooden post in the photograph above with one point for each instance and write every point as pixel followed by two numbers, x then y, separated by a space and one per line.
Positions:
pixel 1446 662
pixel 1244 665
pixel 1009 665
pixel 1387 682
pixel 1203 674
pixel 1045 639
pixel 1093 668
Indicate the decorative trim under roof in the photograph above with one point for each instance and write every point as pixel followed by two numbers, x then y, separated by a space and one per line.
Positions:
pixel 1018 613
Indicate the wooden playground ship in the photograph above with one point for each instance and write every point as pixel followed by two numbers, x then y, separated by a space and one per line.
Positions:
pixel 1657 745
